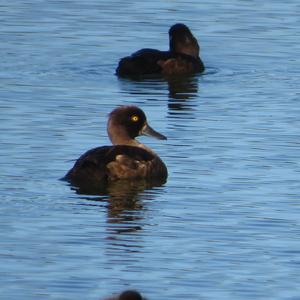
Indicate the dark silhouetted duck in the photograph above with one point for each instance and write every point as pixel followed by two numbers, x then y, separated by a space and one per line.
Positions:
pixel 182 57
pixel 128 295
pixel 127 159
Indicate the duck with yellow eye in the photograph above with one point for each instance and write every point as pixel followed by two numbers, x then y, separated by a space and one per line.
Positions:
pixel 126 159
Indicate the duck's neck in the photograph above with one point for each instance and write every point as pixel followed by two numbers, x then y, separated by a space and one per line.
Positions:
pixel 119 136
pixel 188 46
pixel 187 50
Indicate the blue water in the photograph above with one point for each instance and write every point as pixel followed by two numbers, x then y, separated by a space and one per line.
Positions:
pixel 225 225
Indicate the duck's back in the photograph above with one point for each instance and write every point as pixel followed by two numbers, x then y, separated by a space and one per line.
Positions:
pixel 103 164
pixel 142 62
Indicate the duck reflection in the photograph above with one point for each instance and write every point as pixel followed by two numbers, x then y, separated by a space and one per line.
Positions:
pixel 124 200
pixel 126 205
pixel 182 89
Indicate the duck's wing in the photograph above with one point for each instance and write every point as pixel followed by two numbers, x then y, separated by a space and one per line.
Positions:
pixel 115 162
pixel 90 166
pixel 135 163
pixel 180 63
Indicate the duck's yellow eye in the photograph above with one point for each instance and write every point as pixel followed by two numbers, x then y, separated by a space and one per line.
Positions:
pixel 134 118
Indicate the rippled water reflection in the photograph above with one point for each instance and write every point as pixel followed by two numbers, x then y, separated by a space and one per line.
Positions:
pixel 226 223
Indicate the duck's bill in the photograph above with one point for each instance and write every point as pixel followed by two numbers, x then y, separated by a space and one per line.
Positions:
pixel 147 130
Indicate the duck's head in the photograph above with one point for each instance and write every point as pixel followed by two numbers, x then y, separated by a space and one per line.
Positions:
pixel 182 40
pixel 130 295
pixel 127 295
pixel 126 123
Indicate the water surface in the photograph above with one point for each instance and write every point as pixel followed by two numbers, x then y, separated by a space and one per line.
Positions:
pixel 226 223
